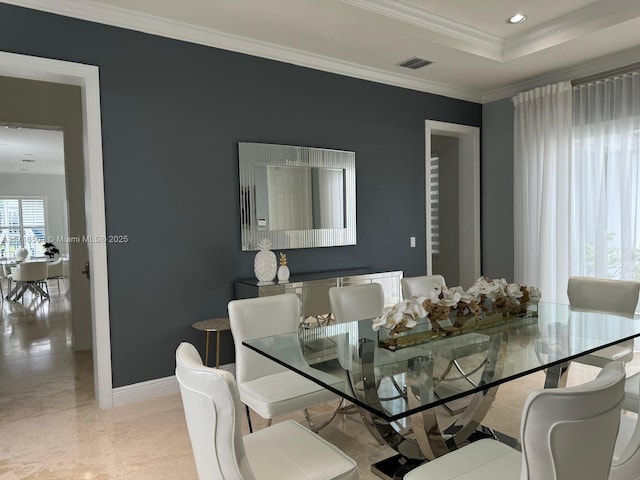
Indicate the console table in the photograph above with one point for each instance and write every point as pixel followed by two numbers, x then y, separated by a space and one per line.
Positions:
pixel 313 288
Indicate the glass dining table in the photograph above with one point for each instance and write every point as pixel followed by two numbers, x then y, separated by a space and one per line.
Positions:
pixel 397 389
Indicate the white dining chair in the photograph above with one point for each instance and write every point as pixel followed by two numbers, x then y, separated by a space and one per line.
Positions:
pixel 267 387
pixel 30 276
pixel 566 434
pixel 284 451
pixel 356 302
pixel 626 454
pixel 3 276
pixel 617 297
pixel 416 286
pixel 55 271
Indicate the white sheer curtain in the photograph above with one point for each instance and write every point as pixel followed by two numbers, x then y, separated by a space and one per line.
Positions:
pixel 605 179
pixel 542 153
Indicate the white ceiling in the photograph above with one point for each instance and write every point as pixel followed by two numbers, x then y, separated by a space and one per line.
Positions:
pixel 476 55
pixel 31 150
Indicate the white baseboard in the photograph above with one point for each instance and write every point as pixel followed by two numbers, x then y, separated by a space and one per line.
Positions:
pixel 150 389
pixel 138 392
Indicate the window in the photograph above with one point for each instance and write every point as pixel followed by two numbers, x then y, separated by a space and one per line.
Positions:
pixel 22 225
pixel 605 180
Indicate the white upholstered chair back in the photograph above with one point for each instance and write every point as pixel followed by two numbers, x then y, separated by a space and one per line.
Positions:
pixel 211 406
pixel 416 286
pixel 29 272
pixel 566 434
pixel 55 268
pixel 618 297
pixel 260 317
pixel 569 433
pixel 626 456
pixel 357 302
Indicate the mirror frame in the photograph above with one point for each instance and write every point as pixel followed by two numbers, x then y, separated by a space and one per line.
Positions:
pixel 251 155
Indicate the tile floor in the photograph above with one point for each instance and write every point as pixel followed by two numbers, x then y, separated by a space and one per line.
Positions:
pixel 51 428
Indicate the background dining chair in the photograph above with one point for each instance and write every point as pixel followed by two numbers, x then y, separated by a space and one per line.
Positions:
pixel 632 393
pixel 285 451
pixel 415 286
pixel 30 276
pixel 626 455
pixel 266 387
pixel 566 433
pixel 55 271
pixel 3 276
pixel 617 297
pixel 356 302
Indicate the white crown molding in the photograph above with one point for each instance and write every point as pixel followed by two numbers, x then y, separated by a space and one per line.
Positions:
pixel 602 64
pixel 124 18
pixel 118 17
pixel 589 19
pixel 448 32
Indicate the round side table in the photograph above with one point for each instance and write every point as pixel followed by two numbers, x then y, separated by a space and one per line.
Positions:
pixel 213 325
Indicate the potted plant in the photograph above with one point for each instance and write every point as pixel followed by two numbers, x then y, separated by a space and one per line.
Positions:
pixel 50 250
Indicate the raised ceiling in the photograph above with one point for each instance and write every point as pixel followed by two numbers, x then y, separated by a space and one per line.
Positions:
pixel 476 55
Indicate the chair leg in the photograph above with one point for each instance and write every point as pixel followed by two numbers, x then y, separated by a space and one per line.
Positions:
pixel 249 418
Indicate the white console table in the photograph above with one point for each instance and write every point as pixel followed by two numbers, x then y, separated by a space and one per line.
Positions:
pixel 313 288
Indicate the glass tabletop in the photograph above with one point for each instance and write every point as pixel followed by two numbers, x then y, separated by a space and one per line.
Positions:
pixel 356 363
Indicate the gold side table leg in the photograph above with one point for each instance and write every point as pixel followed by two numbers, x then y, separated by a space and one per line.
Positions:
pixel 206 352
pixel 217 349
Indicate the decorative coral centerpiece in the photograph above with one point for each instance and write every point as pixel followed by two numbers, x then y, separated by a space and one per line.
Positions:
pixel 449 311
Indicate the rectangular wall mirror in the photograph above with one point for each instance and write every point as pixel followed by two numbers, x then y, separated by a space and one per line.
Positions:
pixel 297 197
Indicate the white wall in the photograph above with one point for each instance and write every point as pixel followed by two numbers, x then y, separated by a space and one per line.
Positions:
pixel 52 187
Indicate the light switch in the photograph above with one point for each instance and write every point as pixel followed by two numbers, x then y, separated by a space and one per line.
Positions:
pixel 413 242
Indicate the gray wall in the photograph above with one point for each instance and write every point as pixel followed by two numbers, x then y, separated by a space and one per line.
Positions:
pixel 172 114
pixel 497 189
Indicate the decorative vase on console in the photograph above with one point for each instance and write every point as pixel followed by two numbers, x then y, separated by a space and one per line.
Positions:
pixel 283 269
pixel 265 264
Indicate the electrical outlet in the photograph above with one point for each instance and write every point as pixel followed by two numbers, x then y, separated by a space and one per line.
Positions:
pixel 413 242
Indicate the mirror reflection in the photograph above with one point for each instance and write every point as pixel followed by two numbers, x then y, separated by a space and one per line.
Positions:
pixel 298 197
pixel 295 198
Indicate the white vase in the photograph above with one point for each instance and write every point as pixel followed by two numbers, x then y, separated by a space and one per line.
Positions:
pixel 21 254
pixel 265 264
pixel 283 274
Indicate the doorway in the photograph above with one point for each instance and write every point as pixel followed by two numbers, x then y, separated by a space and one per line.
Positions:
pixel 463 143
pixel 86 77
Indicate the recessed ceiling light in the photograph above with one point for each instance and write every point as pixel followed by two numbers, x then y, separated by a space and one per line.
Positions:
pixel 517 18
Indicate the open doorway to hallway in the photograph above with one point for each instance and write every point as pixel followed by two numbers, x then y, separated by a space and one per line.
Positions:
pixel 85 77
pixel 461 143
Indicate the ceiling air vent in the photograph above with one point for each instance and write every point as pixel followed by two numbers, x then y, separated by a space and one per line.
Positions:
pixel 414 63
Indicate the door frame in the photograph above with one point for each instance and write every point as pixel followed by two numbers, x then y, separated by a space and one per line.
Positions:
pixel 87 78
pixel 468 195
